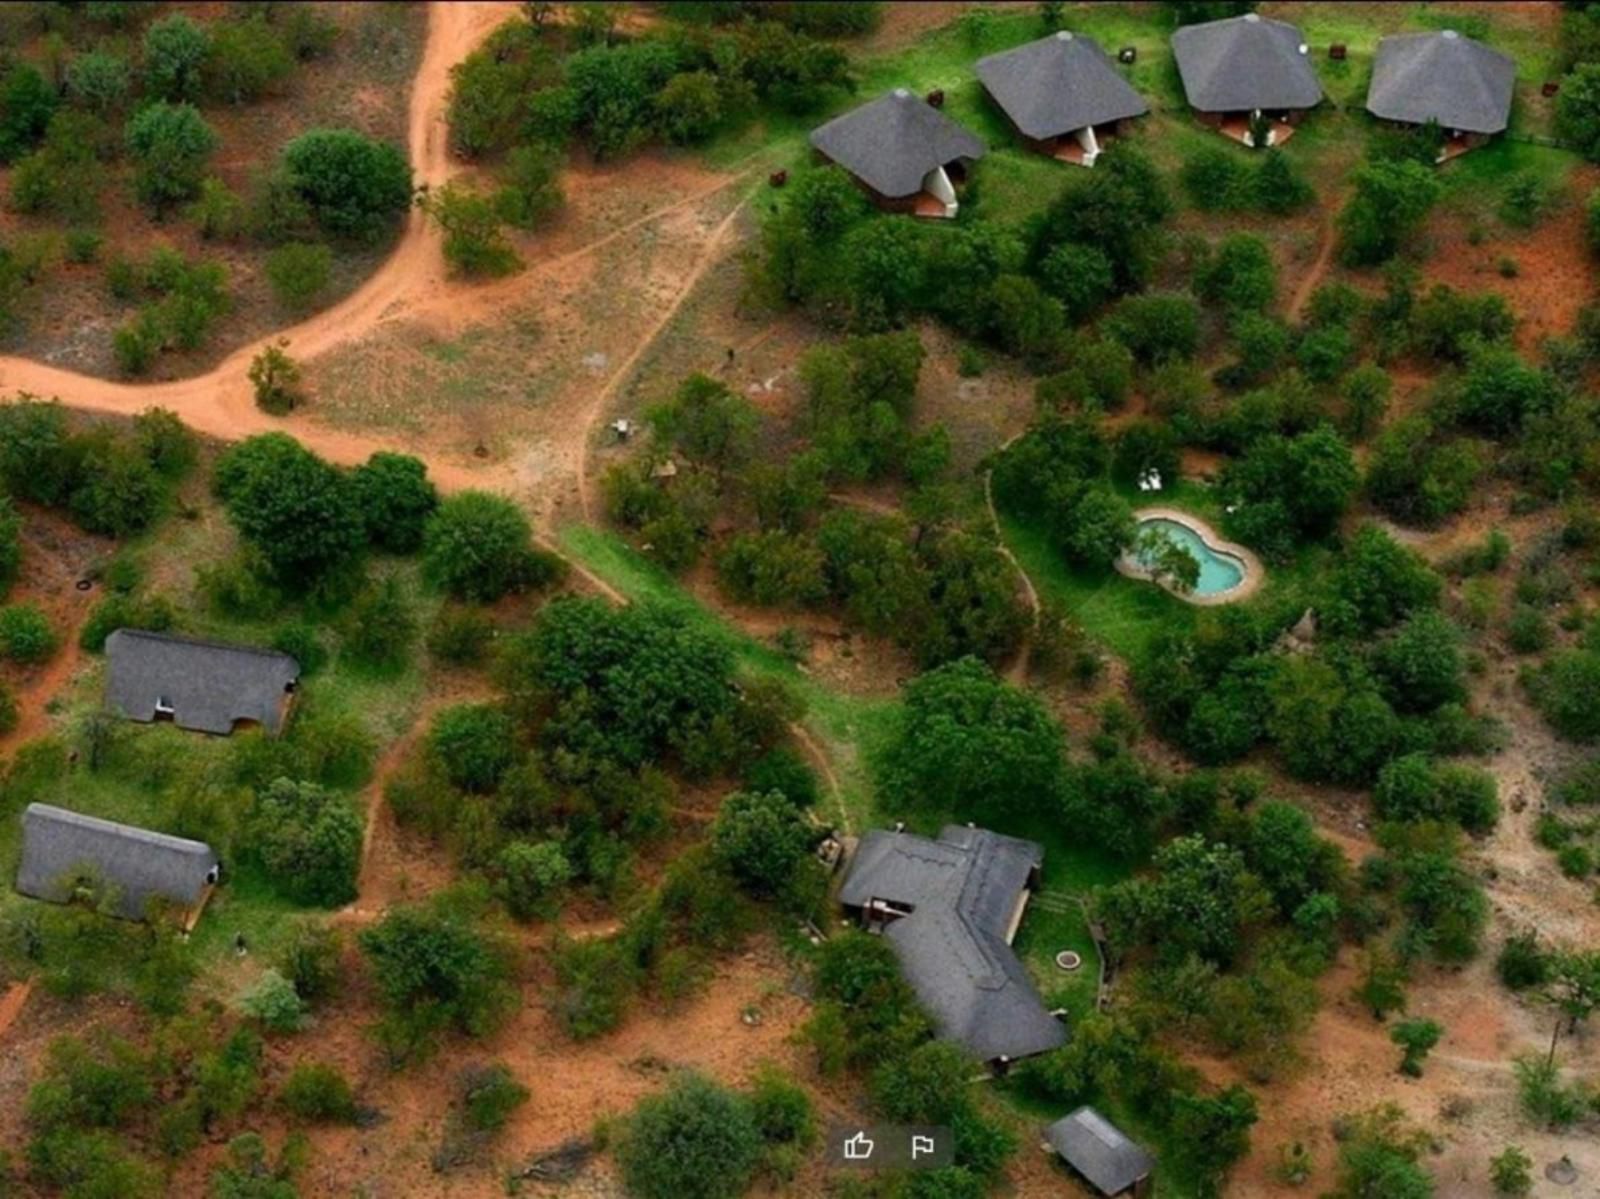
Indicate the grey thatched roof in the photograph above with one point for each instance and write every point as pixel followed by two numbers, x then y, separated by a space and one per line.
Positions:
pixel 1444 77
pixel 893 142
pixel 60 847
pixel 1097 1149
pixel 1244 63
pixel 208 685
pixel 963 889
pixel 1058 84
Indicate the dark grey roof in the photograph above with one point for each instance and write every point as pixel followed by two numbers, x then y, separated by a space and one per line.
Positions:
pixel 1058 84
pixel 963 889
pixel 893 142
pixel 1096 1149
pixel 59 847
pixel 1444 77
pixel 1245 63
pixel 207 684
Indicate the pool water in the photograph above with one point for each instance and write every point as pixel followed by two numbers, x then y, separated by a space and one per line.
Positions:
pixel 1219 572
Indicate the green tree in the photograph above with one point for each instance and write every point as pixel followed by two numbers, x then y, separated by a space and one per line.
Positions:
pixel 175 50
pixel 27 103
pixel 532 875
pixel 395 499
pixel 276 379
pixel 26 635
pixel 1415 1037
pixel 272 1000
pixel 1211 1132
pixel 1564 689
pixel 355 187
pixel 689 107
pixel 307 842
pixel 10 544
pixel 478 546
pixel 318 1094
pixel 530 185
pixel 708 423
pixel 474 242
pixel 170 145
pixel 1366 399
pixel 435 971
pixel 475 744
pixel 380 629
pixel 695 1140
pixel 1511 1172
pixel 984 748
pixel 1578 110
pixel 118 492
pixel 246 61
pixel 1239 274
pixel 762 838
pixel 299 273
pixel 1381 1156
pixel 1391 200
pixel 291 506
pixel 99 80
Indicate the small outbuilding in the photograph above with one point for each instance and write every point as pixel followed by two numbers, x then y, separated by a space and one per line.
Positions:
pixel 1063 94
pixel 1096 1150
pixel 949 909
pixel 64 853
pixel 207 686
pixel 1460 83
pixel 906 154
pixel 1243 70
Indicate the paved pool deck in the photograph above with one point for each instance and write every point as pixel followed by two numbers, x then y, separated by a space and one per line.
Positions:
pixel 1254 573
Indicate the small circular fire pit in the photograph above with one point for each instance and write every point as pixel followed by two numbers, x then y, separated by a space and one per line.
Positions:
pixel 84 584
pixel 1068 960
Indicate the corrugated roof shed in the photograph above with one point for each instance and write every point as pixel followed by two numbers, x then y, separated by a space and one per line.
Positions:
pixel 1244 63
pixel 963 889
pixel 206 685
pixel 1059 84
pixel 60 847
pixel 892 143
pixel 1098 1150
pixel 1444 77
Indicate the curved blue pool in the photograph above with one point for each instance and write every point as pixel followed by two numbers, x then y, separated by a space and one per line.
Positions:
pixel 1219 571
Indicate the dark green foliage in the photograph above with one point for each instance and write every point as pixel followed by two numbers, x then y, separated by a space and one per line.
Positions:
pixel 354 187
pixel 99 80
pixel 1391 200
pixel 118 492
pixel 859 402
pixel 1523 963
pixel 1057 473
pixel 299 273
pixel 982 747
pixel 38 460
pixel 1511 1172
pixel 762 839
pixel 10 544
pixel 26 635
pixel 1415 1037
pixel 435 972
pixel 1115 208
pixel 1578 110
pixel 310 959
pixel 460 636
pixel 297 511
pixel 166 442
pixel 1376 584
pixel 475 744
pixel 1212 1132
pixel 1238 274
pixel 1311 478
pixel 1564 689
pixel 1201 899
pixel 474 242
pixel 1380 1155
pixel 318 1094
pixel 1451 325
pixel 395 499
pixel 490 90
pixel 783 770
pixel 27 102
pixel 530 185
pixel 532 875
pixel 247 61
pixel 175 50
pixel 629 684
pixel 478 546
pixel 307 842
pixel 170 143
pixel 1422 663
pixel 380 628
pixel 1418 477
pixel 1157 328
pixel 695 1140
pixel 707 423
pixel 1500 391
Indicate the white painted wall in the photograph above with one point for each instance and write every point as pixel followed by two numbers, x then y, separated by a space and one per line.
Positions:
pixel 937 184
pixel 1091 145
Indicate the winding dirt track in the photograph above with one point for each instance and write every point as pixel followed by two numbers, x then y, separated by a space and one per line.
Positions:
pixel 220 403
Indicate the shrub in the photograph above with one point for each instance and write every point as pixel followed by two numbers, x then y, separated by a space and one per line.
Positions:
pixel 166 442
pixel 290 505
pixel 27 103
pixel 380 628
pixel 532 875
pixel 1239 274
pixel 10 544
pixel 299 273
pixel 1415 1037
pixel 460 636
pixel 474 242
pixel 306 840
pixel 478 546
pixel 318 1094
pixel 353 186
pixel 170 144
pixel 1510 1172
pixel 1158 327
pixel 175 50
pixel 696 1140
pixel 1391 200
pixel 25 634
pixel 247 60
pixel 1543 1097
pixel 119 491
pixel 1578 110
pixel 761 839
pixel 1564 690
pixel 99 80
pixel 395 498
pixel 309 958
pixel 273 1001
pixel 530 185
pixel 475 744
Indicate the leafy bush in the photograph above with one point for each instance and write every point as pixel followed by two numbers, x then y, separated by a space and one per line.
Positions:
pixel 294 508
pixel 474 242
pixel 299 273
pixel 273 1001
pixel 276 379
pixel 99 80
pixel 318 1094
pixel 354 186
pixel 1391 200
pixel 25 634
pixel 695 1140
pixel 395 499
pixel 170 145
pixel 175 50
pixel 475 744
pixel 532 875
pixel 247 60
pixel 306 840
pixel 478 546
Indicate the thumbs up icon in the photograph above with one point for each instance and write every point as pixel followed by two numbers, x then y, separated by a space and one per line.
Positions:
pixel 858 1148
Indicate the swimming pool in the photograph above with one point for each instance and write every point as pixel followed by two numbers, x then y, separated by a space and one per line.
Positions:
pixel 1221 572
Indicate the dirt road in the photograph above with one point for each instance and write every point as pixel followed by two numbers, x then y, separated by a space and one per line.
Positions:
pixel 220 403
